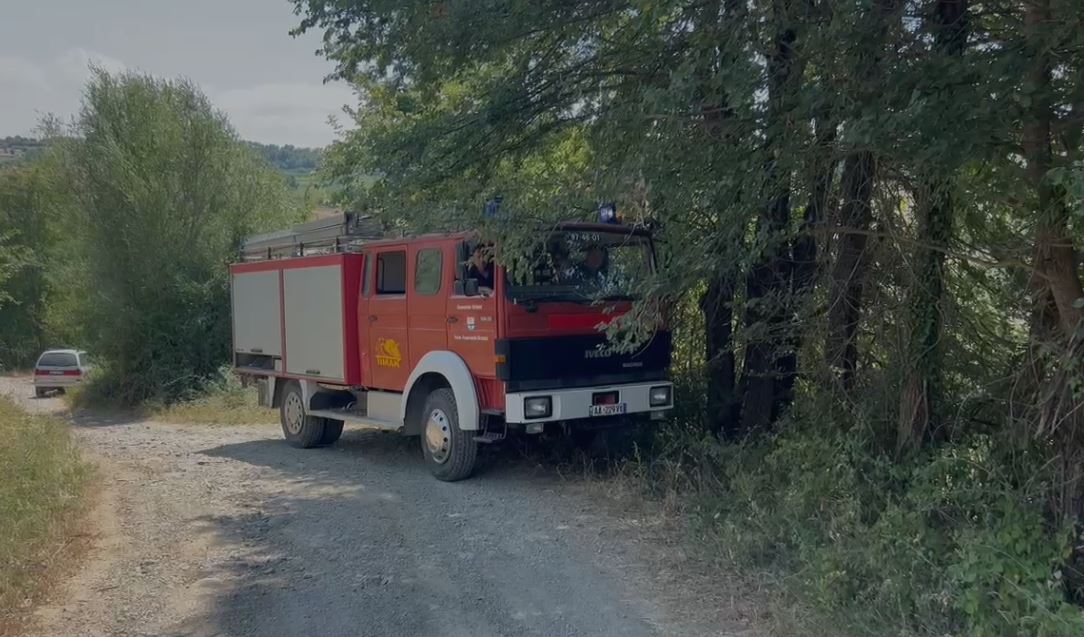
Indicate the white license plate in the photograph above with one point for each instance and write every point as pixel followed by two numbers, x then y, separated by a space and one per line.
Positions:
pixel 54 373
pixel 608 410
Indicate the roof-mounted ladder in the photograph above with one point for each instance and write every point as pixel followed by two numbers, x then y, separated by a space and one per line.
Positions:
pixel 345 232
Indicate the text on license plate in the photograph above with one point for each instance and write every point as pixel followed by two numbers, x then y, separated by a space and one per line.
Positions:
pixel 608 410
pixel 56 373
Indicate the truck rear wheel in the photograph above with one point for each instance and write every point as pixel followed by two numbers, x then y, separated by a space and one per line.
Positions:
pixel 333 430
pixel 300 429
pixel 449 451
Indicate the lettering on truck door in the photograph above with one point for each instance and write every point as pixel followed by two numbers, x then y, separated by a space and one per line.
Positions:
pixel 387 320
pixel 426 300
pixel 472 329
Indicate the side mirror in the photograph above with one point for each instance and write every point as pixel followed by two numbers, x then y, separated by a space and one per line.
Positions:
pixel 457 288
pixel 470 287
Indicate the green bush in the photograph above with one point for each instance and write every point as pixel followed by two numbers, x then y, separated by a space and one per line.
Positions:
pixel 955 542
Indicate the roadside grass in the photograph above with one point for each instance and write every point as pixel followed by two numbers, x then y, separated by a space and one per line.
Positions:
pixel 834 540
pixel 222 402
pixel 42 485
pixel 225 406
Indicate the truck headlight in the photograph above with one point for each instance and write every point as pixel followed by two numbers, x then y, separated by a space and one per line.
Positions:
pixel 537 407
pixel 659 396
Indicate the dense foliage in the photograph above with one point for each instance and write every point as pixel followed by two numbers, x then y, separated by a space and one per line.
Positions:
pixel 867 213
pixel 131 217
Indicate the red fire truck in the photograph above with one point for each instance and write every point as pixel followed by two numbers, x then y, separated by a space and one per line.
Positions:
pixel 422 336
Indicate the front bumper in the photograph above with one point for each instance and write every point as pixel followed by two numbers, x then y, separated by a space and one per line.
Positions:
pixel 574 404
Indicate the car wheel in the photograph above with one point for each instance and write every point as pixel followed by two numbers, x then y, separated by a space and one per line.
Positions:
pixel 39 392
pixel 298 427
pixel 449 451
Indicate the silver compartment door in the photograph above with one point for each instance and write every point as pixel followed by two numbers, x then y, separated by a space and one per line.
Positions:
pixel 257 322
pixel 314 321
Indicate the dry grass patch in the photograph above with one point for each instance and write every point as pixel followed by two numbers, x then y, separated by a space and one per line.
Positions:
pixel 42 484
pixel 228 406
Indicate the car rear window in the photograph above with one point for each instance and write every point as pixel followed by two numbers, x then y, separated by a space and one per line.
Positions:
pixel 57 359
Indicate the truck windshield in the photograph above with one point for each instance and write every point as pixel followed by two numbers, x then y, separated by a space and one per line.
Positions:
pixel 577 265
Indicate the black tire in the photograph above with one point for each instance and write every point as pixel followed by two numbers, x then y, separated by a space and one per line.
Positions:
pixel 333 430
pixel 449 451
pixel 39 392
pixel 298 427
pixel 62 391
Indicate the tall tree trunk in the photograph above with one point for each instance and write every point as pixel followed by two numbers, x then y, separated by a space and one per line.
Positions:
pixel 716 305
pixel 768 281
pixel 922 378
pixel 849 270
pixel 1055 256
pixel 803 266
pixel 919 399
pixel 856 217
pixel 1056 284
pixel 804 247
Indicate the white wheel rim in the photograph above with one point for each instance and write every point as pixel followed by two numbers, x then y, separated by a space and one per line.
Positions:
pixel 438 436
pixel 295 413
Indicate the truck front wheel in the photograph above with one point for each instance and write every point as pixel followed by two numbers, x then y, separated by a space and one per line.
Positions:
pixel 299 428
pixel 449 451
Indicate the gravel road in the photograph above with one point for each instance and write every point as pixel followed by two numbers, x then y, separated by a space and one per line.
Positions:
pixel 205 530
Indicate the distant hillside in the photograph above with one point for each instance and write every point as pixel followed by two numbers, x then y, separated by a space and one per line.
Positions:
pixel 17 148
pixel 289 159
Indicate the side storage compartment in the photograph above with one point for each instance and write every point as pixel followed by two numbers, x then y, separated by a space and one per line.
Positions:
pixel 298 317
pixel 257 318
pixel 315 333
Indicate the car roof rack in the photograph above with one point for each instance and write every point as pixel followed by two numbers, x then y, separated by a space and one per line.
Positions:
pixel 344 232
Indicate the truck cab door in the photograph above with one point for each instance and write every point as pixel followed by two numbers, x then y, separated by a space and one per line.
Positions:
pixel 427 299
pixel 472 325
pixel 386 322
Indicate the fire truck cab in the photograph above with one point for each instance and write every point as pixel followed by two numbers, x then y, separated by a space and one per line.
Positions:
pixel 425 336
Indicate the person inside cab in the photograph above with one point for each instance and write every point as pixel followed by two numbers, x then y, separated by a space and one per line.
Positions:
pixel 591 268
pixel 594 264
pixel 480 268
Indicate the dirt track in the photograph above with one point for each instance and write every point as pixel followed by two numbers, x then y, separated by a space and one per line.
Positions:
pixel 207 530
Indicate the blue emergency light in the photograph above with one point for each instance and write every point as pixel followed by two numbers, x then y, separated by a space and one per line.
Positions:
pixel 607 213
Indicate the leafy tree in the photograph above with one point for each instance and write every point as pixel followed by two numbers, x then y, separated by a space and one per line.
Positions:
pixel 164 191
pixel 873 207
pixel 28 196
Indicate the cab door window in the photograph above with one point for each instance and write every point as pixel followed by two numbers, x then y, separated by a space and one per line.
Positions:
pixel 391 273
pixel 428 271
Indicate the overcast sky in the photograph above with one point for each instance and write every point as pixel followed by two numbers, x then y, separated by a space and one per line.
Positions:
pixel 239 51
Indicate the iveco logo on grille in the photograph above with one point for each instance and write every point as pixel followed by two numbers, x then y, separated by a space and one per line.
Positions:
pixel 596 353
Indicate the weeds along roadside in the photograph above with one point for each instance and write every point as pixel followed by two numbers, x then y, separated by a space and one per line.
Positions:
pixel 955 541
pixel 42 493
pixel 219 400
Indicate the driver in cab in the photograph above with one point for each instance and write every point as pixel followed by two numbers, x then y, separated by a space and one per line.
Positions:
pixel 481 269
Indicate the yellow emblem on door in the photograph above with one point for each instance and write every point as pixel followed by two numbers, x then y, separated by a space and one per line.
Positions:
pixel 387 353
